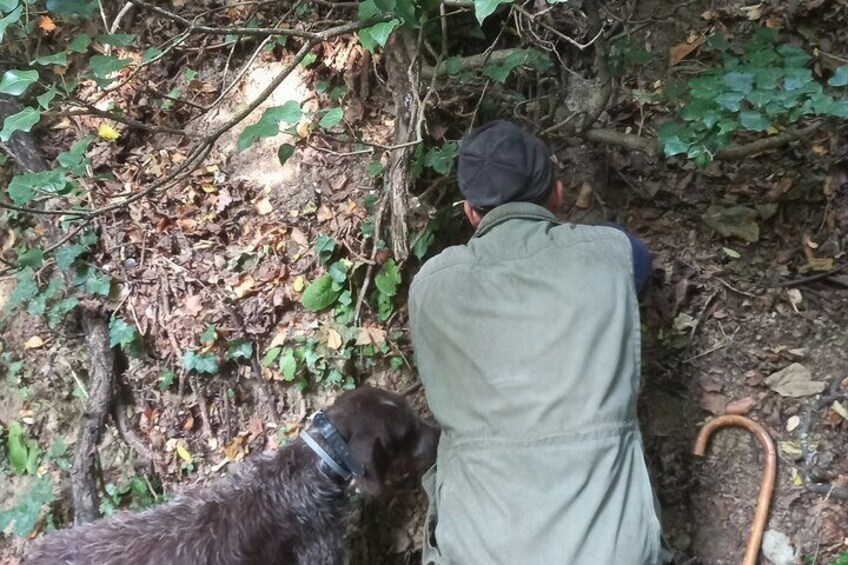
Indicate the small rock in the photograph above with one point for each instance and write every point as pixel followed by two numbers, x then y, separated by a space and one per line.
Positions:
pixel 741 406
pixel 792 423
pixel 777 548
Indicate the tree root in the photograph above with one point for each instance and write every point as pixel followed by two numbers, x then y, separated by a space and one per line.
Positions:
pixel 125 429
pixel 86 500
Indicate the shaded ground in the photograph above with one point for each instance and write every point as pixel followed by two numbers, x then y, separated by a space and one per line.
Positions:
pixel 242 231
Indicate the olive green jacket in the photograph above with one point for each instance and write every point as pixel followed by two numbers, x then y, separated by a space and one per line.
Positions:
pixel 527 343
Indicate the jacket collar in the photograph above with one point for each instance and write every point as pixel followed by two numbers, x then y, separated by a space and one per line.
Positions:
pixel 513 211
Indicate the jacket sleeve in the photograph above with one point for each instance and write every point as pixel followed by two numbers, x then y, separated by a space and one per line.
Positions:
pixel 642 260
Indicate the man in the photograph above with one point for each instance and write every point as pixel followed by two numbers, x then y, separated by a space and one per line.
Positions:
pixel 527 342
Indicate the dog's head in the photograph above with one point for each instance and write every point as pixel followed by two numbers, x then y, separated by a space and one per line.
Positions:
pixel 384 434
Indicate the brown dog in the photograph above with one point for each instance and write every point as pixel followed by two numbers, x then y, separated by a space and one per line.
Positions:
pixel 285 508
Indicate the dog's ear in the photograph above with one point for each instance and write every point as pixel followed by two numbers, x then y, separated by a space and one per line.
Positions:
pixel 373 456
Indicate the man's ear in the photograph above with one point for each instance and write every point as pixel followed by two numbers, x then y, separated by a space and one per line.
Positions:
pixel 473 215
pixel 557 201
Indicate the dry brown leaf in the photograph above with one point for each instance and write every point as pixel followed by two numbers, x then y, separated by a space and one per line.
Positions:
pixel 188 425
pixel 234 451
pixel 754 12
pixel 795 298
pixel 279 339
pixel 794 381
pixel 369 335
pixel 741 406
pixel 245 287
pixel 324 213
pixel 46 24
pixel 709 15
pixel 683 50
pixel 334 339
pixel 773 21
pixel 299 237
pixel 264 207
pixel 34 342
pixel 584 198
pixel 822 264
pixel 193 304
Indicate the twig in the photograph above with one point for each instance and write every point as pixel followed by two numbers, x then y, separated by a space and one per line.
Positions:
pixel 309 35
pixel 701 315
pixel 812 278
pixel 125 429
pixel 200 397
pixel 369 272
pixel 532 17
pixel 116 23
pixel 92 110
pixel 810 458
pixel 734 289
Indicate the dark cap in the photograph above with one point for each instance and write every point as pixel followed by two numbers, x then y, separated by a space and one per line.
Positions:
pixel 499 163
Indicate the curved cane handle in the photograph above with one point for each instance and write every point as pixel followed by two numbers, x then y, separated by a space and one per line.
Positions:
pixel 752 549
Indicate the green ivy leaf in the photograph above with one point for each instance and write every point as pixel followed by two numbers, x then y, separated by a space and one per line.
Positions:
pixel 31 258
pixel 201 362
pixel 7 6
pixel 269 124
pixel 793 56
pixel 754 121
pixel 331 118
pixel 60 59
pixel 166 379
pixel 324 247
pixel 531 58
pixel 47 97
pixel 80 43
pixel 378 34
pixel 308 60
pixel 288 364
pixel 730 101
pixel 240 348
pixel 441 159
pixel 59 310
pixel 28 508
pixel 74 157
pixel 16 81
pixel 121 333
pixel 453 65
pixel 797 78
pixel 26 288
pixel 16 447
pixel 116 39
pixel 271 356
pixel 104 65
pixel 374 168
pixel 209 335
pixel 338 272
pixel 22 121
pixel 368 9
pixel 485 8
pixel 11 18
pixel 67 254
pixel 840 77
pixel 94 282
pixel 38 305
pixel 320 294
pixel 85 8
pixel 285 152
pixel 150 54
pixel 388 278
pixel 739 82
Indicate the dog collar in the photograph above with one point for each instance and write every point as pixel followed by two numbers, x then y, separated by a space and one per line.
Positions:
pixel 337 457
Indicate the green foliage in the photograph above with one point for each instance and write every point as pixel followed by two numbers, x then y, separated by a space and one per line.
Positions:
pixel 320 294
pixel 240 349
pixel 485 8
pixel 767 88
pixel 269 124
pixel 209 335
pixel 29 507
pixel 530 58
pixel 9 19
pixel 24 453
pixel 441 159
pixel 105 65
pixel 204 363
pixel 126 336
pixel 16 81
pixel 285 152
pixel 22 121
pixel 424 239
pixel 331 118
pixel 378 34
pixel 324 247
pixel 25 187
pixel 387 281
pixel 166 379
pixel 132 493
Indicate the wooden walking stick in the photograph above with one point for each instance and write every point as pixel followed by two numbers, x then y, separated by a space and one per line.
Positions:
pixel 752 550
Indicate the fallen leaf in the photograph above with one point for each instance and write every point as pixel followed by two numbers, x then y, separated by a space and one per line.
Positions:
pixel 324 213
pixel 46 24
pixel 193 304
pixel 794 381
pixel 777 548
pixel 299 237
pixel 371 336
pixel 584 198
pixel 732 253
pixel 209 188
pixel 683 321
pixel 792 423
pixel 298 284
pixel 683 50
pixel 791 449
pixel 809 242
pixel 107 132
pixel 773 21
pixel 279 339
pixel 234 451
pixel 736 221
pixel 795 298
pixel 244 287
pixel 754 12
pixel 822 264
pixel 741 406
pixel 34 342
pixel 713 402
pixel 188 425
pixel 184 453
pixel 334 339
pixel 264 207
pixel 840 409
pixel 709 15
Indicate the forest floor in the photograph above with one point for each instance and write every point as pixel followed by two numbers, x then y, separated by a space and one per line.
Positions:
pixel 746 284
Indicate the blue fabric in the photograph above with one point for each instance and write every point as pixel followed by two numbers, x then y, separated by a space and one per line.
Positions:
pixel 642 260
